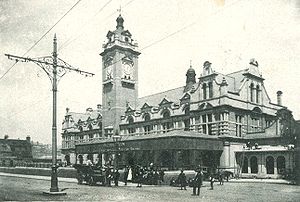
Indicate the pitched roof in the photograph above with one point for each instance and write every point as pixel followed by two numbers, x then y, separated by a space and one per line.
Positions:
pixel 172 95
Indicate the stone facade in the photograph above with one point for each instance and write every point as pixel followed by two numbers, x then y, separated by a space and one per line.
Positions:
pixel 231 109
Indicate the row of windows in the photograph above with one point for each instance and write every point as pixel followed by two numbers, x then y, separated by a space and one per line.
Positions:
pixel 269 165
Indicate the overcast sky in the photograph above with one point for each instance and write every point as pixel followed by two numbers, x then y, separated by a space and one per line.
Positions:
pixel 227 33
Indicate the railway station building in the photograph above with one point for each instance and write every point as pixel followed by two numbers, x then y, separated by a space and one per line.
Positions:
pixel 214 120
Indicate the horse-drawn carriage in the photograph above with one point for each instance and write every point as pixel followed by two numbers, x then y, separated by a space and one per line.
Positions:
pixel 89 174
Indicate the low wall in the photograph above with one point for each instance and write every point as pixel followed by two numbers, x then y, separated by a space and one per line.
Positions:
pixel 61 172
pixel 69 172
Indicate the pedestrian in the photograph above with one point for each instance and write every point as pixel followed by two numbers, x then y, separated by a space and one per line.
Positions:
pixel 139 177
pixel 182 180
pixel 126 171
pixel 221 179
pixel 129 176
pixel 212 180
pixel 108 176
pixel 161 176
pixel 197 182
pixel 116 177
pixel 156 178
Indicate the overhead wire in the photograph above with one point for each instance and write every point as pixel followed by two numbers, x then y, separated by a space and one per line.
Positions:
pixel 169 35
pixel 71 40
pixel 40 39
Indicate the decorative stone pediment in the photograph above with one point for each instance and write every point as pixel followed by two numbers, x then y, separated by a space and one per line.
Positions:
pixel 185 98
pixel 129 111
pixel 165 103
pixel 146 108
pixel 205 105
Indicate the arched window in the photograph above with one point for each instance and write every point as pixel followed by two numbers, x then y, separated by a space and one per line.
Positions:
pixel 253 164
pixel 166 114
pixel 245 165
pixel 251 92
pixel 90 127
pixel 166 124
pixel 204 91
pixel 257 94
pixel 147 117
pixel 148 127
pixel 80 128
pixel 280 164
pixel 131 128
pixel 270 165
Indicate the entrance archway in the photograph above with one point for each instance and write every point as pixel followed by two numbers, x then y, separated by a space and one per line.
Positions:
pixel 280 164
pixel 245 165
pixel 253 164
pixel 270 165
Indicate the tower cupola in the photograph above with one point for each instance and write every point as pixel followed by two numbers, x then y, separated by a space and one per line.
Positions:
pixel 190 78
pixel 120 22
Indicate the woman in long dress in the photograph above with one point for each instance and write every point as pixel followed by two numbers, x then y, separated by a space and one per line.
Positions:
pixel 129 177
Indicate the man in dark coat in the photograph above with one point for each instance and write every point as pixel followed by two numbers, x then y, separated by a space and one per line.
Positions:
pixel 116 177
pixel 126 171
pixel 182 180
pixel 197 182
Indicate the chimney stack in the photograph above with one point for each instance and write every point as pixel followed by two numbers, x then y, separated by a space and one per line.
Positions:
pixel 279 97
pixel 28 139
pixel 5 137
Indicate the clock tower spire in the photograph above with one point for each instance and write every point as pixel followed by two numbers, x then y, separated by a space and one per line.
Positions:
pixel 119 76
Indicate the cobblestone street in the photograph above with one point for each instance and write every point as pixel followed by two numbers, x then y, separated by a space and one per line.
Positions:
pixel 15 189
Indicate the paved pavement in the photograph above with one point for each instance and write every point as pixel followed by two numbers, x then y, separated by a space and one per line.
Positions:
pixel 29 188
pixel 270 181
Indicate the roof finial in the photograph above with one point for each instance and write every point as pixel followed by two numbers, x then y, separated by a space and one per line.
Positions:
pixel 120 10
pixel 190 63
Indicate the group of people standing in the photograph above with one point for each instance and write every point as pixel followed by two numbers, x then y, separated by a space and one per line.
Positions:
pixel 197 181
pixel 143 175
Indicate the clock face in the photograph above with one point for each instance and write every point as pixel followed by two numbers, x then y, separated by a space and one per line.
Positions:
pixel 127 69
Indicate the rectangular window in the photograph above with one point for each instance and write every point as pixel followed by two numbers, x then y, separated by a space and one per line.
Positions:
pixel 238 125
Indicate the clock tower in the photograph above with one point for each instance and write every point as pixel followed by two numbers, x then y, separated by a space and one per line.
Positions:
pixel 119 76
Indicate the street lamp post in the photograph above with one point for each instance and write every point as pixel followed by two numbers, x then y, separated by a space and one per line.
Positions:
pixel 116 139
pixel 55 68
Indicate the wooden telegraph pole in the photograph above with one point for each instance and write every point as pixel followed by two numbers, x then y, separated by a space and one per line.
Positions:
pixel 55 68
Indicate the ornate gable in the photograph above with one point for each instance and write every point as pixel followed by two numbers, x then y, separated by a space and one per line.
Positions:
pixel 165 103
pixel 146 108
pixel 129 111
pixel 185 98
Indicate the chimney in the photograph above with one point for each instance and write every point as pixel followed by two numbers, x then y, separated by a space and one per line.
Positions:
pixel 5 137
pixel 67 110
pixel 279 99
pixel 28 139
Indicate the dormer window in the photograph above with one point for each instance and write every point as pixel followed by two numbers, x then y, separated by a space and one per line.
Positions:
pixel 126 39
pixel 131 128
